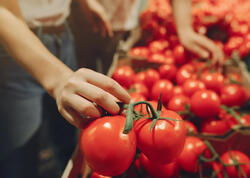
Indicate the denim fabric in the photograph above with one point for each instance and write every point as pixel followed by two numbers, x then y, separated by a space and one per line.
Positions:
pixel 21 96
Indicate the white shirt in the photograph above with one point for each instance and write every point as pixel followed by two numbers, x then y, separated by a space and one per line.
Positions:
pixel 45 12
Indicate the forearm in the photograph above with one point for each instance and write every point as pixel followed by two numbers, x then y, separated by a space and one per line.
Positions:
pixel 182 14
pixel 29 52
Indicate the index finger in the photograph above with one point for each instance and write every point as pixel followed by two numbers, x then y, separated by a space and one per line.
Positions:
pixel 107 84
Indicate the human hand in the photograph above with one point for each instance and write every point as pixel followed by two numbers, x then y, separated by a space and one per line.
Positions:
pixel 77 94
pixel 97 16
pixel 201 45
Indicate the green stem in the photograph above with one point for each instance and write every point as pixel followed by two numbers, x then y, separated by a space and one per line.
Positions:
pixel 232 112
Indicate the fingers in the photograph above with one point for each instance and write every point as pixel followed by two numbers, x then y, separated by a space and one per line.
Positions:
pixel 107 84
pixel 195 48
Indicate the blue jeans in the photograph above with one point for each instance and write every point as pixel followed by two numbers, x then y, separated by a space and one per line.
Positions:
pixel 22 106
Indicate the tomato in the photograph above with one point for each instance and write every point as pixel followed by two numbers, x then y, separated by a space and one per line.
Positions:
pixel 233 44
pixel 137 97
pixel 164 88
pixel 139 88
pixel 164 143
pixel 96 175
pixel 179 54
pixel 233 76
pixel 245 120
pixel 213 81
pixel 139 77
pixel 232 171
pixel 177 103
pixel 167 71
pixel 151 76
pixel 190 86
pixel 158 46
pixel 191 127
pixel 124 75
pixel 160 58
pixel 215 126
pixel 184 73
pixel 205 103
pixel 233 95
pixel 159 170
pixel 139 51
pixel 107 150
pixel 142 107
pixel 188 160
pixel 177 90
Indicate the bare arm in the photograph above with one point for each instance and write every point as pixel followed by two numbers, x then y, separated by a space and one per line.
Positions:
pixel 74 91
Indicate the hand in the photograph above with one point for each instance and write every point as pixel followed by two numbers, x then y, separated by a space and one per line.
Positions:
pixel 97 16
pixel 77 94
pixel 201 45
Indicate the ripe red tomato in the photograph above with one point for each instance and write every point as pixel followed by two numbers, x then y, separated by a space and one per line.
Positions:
pixel 233 76
pixel 233 44
pixel 151 76
pixel 215 126
pixel 139 51
pixel 164 88
pixel 139 88
pixel 142 107
pixel 233 95
pixel 107 150
pixel 167 71
pixel 96 175
pixel 184 73
pixel 205 103
pixel 177 90
pixel 160 58
pixel 177 103
pixel 188 160
pixel 232 171
pixel 159 170
pixel 213 81
pixel 190 86
pixel 137 97
pixel 164 143
pixel 191 127
pixel 179 54
pixel 124 75
pixel 158 46
pixel 139 77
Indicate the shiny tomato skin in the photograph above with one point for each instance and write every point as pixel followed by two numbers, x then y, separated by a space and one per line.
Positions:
pixel 139 88
pixel 164 143
pixel 179 54
pixel 159 58
pixel 233 44
pixel 164 88
pixel 191 127
pixel 177 103
pixel 124 75
pixel 213 81
pixel 167 71
pixel 177 90
pixel 185 72
pixel 159 170
pixel 188 160
pixel 205 103
pixel 107 150
pixel 139 77
pixel 233 95
pixel 158 46
pixel 137 97
pixel 96 175
pixel 151 76
pixel 241 158
pixel 190 86
pixel 139 51
pixel 215 126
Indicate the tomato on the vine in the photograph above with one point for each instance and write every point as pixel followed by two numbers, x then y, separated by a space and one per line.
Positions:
pixel 107 150
pixel 215 126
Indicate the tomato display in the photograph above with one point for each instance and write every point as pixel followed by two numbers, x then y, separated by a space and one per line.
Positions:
pixel 124 75
pixel 167 71
pixel 213 81
pixel 215 126
pixel 107 150
pixel 151 76
pixel 190 86
pixel 139 88
pixel 178 103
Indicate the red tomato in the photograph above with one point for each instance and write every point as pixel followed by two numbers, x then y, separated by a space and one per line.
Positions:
pixel 177 103
pixel 184 73
pixel 96 175
pixel 142 107
pixel 139 77
pixel 233 95
pixel 160 58
pixel 205 103
pixel 139 51
pixel 164 143
pixel 213 81
pixel 177 90
pixel 159 170
pixel 233 44
pixel 233 76
pixel 188 160
pixel 215 126
pixel 151 76
pixel 167 71
pixel 158 46
pixel 124 76
pixel 164 88
pixel 232 171
pixel 179 54
pixel 107 150
pixel 191 127
pixel 139 88
pixel 190 86
pixel 137 97
pixel 245 120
